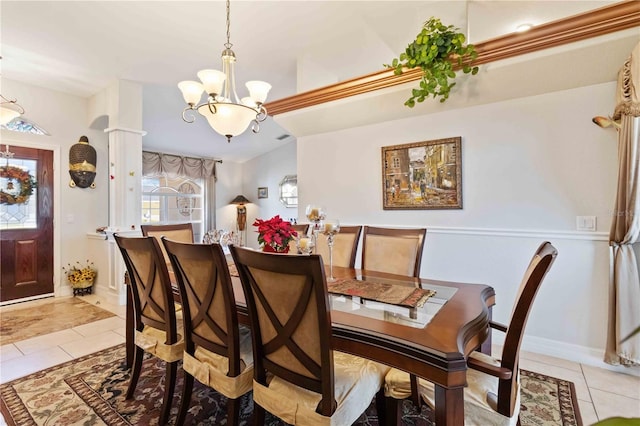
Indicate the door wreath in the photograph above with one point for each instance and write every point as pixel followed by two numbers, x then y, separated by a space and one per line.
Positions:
pixel 23 178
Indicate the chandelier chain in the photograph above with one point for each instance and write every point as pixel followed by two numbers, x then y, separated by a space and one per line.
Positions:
pixel 228 45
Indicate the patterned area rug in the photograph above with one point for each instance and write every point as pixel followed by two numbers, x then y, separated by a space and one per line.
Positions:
pixel 90 391
pixel 47 317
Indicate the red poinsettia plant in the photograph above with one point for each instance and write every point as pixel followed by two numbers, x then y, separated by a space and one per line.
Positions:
pixel 275 234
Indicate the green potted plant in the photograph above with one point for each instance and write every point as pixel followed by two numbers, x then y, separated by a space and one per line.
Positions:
pixel 435 50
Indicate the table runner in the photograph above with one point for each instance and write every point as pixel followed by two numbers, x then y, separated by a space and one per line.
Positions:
pixel 410 297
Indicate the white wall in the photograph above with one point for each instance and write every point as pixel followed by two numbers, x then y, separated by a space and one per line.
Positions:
pixel 530 166
pixel 229 185
pixel 267 171
pixel 77 210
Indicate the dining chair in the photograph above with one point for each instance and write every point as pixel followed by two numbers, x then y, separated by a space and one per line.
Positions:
pixel 393 250
pixel 217 350
pixel 301 229
pixel 298 377
pixel 492 395
pixel 345 246
pixel 177 232
pixel 155 321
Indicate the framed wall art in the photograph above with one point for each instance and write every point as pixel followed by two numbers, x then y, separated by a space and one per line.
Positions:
pixel 263 192
pixel 422 175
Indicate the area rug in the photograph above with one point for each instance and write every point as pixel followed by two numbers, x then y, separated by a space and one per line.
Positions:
pixel 48 317
pixel 90 391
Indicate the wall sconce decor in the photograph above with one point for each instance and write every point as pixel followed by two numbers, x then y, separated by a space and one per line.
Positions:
pixel 82 164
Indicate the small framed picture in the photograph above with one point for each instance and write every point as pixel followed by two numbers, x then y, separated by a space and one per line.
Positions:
pixel 263 192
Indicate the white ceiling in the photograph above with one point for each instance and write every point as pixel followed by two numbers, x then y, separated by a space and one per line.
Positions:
pixel 80 47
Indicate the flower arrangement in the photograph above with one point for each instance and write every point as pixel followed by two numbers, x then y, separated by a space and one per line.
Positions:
pixel 80 275
pixel 275 234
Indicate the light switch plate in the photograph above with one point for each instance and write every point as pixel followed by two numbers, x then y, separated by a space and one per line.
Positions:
pixel 586 223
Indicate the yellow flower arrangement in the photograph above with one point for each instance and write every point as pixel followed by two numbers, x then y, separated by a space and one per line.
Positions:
pixel 80 275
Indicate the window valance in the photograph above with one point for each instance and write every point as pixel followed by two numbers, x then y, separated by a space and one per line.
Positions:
pixel 157 163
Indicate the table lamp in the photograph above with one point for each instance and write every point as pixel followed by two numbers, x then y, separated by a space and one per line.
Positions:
pixel 240 201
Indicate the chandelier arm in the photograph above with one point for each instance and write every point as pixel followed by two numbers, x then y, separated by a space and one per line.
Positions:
pixel 212 107
pixel 255 126
pixel 262 114
pixel 184 117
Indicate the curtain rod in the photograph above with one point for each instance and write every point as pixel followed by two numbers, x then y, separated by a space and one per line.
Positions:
pixel 217 160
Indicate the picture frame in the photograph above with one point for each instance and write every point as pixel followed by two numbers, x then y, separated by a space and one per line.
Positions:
pixel 422 175
pixel 263 192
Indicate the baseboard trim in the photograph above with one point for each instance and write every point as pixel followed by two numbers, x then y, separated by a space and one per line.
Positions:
pixel 576 353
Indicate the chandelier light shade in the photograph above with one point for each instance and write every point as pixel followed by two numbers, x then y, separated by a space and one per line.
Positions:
pixel 9 109
pixel 226 113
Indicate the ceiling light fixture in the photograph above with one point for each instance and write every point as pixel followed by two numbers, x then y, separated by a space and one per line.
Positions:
pixel 9 109
pixel 225 113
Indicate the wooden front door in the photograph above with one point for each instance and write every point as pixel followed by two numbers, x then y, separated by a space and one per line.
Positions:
pixel 26 229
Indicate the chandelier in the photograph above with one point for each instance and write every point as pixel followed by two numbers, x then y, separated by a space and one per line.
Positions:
pixel 7 112
pixel 225 112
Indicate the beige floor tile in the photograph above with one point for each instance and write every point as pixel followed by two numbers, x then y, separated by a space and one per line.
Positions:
pixel 609 381
pixel 92 344
pixel 546 359
pixel 97 327
pixel 582 391
pixel 587 412
pixel 609 404
pixel 45 341
pixel 121 331
pixel 19 367
pixel 8 352
pixel 101 302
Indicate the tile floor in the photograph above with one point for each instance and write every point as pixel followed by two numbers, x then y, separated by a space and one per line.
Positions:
pixel 601 393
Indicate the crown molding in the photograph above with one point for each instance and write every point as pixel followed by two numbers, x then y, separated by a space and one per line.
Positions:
pixel 605 20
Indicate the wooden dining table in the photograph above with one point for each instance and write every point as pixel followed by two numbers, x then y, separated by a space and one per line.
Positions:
pixel 433 346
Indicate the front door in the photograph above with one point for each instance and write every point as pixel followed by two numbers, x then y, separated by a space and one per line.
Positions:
pixel 26 223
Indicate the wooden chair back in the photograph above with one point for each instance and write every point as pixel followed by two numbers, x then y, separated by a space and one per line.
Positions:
pixel 153 303
pixel 290 340
pixel 538 267
pixel 209 309
pixel 393 250
pixel 176 232
pixel 301 229
pixel 345 246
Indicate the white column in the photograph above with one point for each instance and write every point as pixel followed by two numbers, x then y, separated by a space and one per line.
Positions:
pixel 122 104
pixel 125 179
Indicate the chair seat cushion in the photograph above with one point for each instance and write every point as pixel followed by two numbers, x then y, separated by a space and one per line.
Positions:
pixel 211 369
pixel 479 406
pixel 356 380
pixel 153 340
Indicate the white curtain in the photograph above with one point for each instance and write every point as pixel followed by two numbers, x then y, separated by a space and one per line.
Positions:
pixel 156 164
pixel 624 292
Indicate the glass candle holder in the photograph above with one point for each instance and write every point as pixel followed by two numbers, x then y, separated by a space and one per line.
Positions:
pixel 330 228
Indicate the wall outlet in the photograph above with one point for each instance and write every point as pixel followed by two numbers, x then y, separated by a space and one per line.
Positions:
pixel 586 223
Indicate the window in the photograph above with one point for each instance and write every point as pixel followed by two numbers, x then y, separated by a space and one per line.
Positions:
pixel 173 200
pixel 23 125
